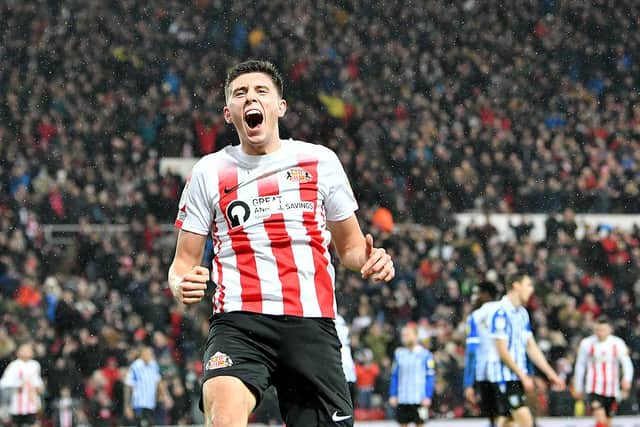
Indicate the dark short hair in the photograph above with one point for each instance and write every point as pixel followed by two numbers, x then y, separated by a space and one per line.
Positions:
pixel 603 319
pixel 254 66
pixel 513 277
pixel 489 287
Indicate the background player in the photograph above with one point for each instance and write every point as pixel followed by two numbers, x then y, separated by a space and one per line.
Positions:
pixel 23 379
pixel 478 345
pixel 348 366
pixel 144 386
pixel 600 357
pixel 272 207
pixel 507 367
pixel 412 380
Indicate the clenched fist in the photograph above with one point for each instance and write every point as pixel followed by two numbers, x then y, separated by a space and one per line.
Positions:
pixel 190 289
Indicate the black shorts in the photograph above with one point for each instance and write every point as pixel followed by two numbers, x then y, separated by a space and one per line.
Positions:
pixel 406 414
pixel 144 417
pixel 488 399
pixel 510 397
pixel 596 401
pixel 299 356
pixel 23 420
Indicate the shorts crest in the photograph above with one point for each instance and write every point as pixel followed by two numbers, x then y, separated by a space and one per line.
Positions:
pixel 218 360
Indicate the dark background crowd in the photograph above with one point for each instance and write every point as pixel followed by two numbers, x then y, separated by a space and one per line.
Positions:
pixel 434 108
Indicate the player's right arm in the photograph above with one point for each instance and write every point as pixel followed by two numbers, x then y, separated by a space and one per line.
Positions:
pixel 187 278
pixel 11 377
pixel 580 369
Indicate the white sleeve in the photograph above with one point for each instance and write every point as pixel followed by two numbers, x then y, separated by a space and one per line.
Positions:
pixel 625 361
pixel 10 378
pixel 129 378
pixel 340 203
pixel 37 380
pixel 581 366
pixel 195 210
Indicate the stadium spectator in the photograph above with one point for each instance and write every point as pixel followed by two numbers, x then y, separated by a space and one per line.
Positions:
pixel 367 371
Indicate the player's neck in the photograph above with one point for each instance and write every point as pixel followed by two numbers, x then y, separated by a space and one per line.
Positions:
pixel 515 300
pixel 262 149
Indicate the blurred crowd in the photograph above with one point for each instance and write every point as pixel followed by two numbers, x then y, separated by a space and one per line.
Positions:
pixel 434 108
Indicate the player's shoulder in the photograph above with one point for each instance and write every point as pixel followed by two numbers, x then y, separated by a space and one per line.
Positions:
pixel 588 340
pixel 617 340
pixel 487 308
pixel 318 151
pixel 426 352
pixel 209 161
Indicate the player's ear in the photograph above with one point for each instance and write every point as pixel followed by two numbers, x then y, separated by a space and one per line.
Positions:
pixel 282 107
pixel 227 114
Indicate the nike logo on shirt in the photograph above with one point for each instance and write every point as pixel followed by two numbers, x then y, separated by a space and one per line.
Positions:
pixel 228 190
pixel 337 418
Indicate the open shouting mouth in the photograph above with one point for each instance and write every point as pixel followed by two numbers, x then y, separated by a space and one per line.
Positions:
pixel 253 117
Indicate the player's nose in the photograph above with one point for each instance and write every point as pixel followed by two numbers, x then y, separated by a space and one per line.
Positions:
pixel 252 96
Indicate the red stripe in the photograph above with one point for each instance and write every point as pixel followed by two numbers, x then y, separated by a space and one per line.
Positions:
pixel 250 294
pixel 604 377
pixel 614 376
pixel 322 279
pixel 219 304
pixel 593 368
pixel 280 242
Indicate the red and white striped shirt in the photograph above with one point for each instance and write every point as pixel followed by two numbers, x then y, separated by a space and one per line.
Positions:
pixel 601 362
pixel 22 379
pixel 267 216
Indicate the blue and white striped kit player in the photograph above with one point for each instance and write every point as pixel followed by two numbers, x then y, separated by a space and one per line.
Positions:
pixel 479 343
pixel 143 378
pixel 413 375
pixel 511 324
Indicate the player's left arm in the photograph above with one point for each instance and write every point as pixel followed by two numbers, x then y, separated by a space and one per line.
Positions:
pixel 627 369
pixel 357 253
pixel 470 355
pixel 537 357
pixel 38 384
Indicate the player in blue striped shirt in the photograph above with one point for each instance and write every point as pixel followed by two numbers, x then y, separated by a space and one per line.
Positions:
pixel 143 384
pixel 508 364
pixel 412 379
pixel 478 345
